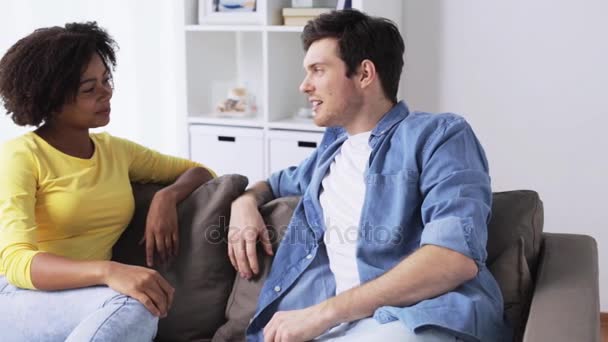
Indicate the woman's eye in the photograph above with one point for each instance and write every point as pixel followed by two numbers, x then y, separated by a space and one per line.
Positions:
pixel 106 80
pixel 88 90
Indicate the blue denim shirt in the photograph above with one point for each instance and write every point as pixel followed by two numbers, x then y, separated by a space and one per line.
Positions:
pixel 426 182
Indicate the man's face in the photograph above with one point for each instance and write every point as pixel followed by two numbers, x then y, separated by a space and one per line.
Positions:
pixel 336 99
pixel 91 108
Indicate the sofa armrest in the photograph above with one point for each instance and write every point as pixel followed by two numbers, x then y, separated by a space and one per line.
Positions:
pixel 565 304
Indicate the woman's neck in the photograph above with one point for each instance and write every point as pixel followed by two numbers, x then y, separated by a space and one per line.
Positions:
pixel 74 142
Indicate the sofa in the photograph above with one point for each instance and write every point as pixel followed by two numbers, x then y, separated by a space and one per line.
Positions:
pixel 549 281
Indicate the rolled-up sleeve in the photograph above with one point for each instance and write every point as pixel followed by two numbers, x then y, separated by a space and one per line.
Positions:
pixel 456 188
pixel 293 180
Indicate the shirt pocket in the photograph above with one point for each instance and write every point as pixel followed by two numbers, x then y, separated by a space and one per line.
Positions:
pixel 393 200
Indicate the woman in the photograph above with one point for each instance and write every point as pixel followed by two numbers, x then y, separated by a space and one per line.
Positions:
pixel 65 198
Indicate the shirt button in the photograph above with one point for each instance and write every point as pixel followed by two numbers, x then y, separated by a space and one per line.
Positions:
pixel 277 289
pixel 309 256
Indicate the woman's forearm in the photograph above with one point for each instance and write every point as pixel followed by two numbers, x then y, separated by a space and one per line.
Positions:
pixel 186 183
pixel 53 272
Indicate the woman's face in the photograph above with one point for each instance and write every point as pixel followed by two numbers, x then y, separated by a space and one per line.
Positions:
pixel 91 107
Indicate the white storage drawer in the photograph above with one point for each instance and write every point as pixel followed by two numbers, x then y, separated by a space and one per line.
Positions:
pixel 229 149
pixel 289 148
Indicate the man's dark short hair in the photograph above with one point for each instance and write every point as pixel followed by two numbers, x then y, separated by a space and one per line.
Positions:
pixel 362 37
pixel 41 72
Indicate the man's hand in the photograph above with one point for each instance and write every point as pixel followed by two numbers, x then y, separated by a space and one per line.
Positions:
pixel 161 228
pixel 299 325
pixel 246 226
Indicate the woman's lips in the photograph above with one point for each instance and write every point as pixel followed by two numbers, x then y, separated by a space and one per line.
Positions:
pixel 104 112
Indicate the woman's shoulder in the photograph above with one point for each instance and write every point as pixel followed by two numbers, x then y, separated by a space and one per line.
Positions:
pixel 108 141
pixel 116 145
pixel 107 138
pixel 22 143
pixel 19 150
pixel 103 137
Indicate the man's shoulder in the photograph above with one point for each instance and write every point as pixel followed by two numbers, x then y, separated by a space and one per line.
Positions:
pixel 416 120
pixel 423 125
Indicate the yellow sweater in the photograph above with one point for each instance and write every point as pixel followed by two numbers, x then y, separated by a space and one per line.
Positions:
pixel 68 206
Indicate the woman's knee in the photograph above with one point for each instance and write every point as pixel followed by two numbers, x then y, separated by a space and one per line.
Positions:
pixel 129 320
pixel 134 309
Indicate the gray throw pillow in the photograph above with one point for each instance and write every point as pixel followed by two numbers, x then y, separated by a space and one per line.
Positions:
pixel 511 271
pixel 201 274
pixel 244 297
pixel 516 214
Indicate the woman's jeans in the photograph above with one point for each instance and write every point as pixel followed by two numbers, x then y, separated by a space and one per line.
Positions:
pixel 95 313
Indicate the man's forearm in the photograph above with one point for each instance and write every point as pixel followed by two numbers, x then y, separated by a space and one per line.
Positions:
pixel 428 272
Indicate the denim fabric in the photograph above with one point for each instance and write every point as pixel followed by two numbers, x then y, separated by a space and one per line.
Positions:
pixel 95 313
pixel 427 182
pixel 368 329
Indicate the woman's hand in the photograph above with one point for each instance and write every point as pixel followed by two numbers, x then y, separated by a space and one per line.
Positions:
pixel 161 228
pixel 145 285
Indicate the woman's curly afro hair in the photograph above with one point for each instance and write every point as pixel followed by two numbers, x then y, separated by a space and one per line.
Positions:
pixel 42 71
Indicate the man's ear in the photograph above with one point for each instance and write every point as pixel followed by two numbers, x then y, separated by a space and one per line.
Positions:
pixel 367 73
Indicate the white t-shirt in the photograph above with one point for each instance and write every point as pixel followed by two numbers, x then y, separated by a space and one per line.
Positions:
pixel 342 198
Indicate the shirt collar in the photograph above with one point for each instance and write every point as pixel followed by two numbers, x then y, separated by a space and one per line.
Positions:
pixel 391 118
pixel 395 115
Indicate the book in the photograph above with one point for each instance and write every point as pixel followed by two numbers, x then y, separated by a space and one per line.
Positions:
pixel 305 12
pixel 296 21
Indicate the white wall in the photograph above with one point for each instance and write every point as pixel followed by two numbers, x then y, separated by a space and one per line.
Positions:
pixel 532 79
pixel 148 82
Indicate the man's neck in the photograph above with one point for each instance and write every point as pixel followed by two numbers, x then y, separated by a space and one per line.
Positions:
pixel 370 114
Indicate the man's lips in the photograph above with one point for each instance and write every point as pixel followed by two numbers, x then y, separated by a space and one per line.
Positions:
pixel 315 104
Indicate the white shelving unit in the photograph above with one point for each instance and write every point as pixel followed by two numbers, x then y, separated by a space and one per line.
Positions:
pixel 266 58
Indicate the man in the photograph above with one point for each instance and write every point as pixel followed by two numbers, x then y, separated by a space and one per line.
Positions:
pixel 413 187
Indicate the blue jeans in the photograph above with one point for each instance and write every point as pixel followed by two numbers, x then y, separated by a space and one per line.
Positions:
pixel 368 329
pixel 95 313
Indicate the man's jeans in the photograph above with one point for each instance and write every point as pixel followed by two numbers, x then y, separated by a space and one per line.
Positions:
pixel 95 313
pixel 368 329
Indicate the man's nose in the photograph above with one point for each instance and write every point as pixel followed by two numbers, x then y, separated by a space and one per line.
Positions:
pixel 305 86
